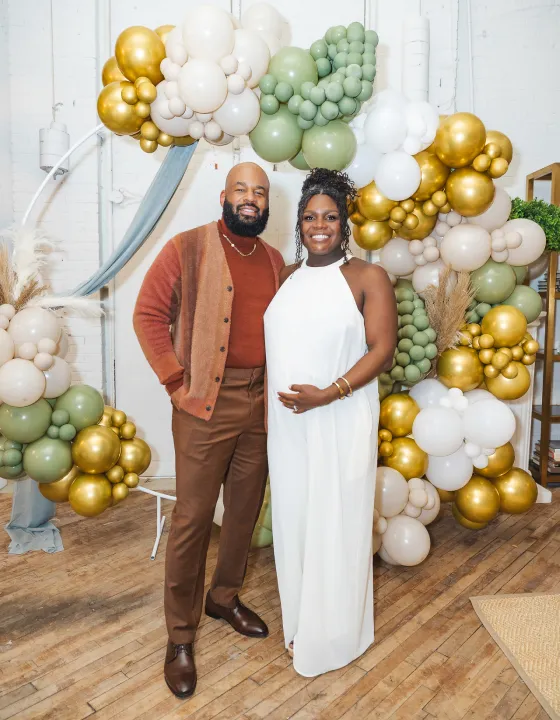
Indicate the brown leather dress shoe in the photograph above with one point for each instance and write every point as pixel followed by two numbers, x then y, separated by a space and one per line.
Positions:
pixel 179 670
pixel 242 620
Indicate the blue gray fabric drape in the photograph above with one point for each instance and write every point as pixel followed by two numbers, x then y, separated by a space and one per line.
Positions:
pixel 30 527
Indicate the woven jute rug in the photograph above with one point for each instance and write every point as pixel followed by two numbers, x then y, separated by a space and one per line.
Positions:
pixel 527 629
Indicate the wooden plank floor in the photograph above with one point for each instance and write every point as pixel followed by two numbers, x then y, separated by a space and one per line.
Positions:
pixel 82 632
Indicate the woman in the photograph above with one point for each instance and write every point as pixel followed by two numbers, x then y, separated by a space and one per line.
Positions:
pixel 330 331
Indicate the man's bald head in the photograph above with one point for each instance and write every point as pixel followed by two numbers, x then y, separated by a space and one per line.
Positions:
pixel 245 199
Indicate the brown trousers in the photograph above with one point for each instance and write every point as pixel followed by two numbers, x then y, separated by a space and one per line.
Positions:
pixel 230 449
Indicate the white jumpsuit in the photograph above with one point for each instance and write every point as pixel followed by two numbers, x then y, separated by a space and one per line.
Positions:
pixel 322 472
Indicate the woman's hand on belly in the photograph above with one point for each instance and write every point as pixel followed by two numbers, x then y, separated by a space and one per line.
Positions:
pixel 307 397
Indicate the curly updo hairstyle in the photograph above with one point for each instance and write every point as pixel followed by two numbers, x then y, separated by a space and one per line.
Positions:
pixel 338 186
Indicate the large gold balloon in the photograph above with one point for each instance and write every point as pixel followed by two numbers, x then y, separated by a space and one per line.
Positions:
pixel 372 235
pixel 96 449
pixel 499 462
pixel 114 113
pixel 139 52
pixel 462 520
pixel 460 368
pixel 469 192
pixel 446 495
pixel 478 501
pixel 459 139
pixel 407 458
pixel 397 414
pixel 58 491
pixel 502 141
pixel 426 223
pixel 372 204
pixel 163 32
pixel 434 175
pixel 90 495
pixel 111 72
pixel 506 324
pixel 135 456
pixel 510 388
pixel 517 491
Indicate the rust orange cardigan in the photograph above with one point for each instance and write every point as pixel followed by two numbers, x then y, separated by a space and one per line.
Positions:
pixel 182 316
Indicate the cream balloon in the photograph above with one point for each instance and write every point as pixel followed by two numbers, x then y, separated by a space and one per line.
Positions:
pixel 376 544
pixel 395 257
pixel 391 492
pixel 21 383
pixel 428 516
pixel 7 347
pixel 203 85
pixel 274 44
pixel 450 472
pixel 208 33
pixel 384 555
pixel 466 247
pixel 43 361
pixel 497 214
pixel 177 126
pixel 428 393
pixel 239 114
pixel 33 324
pixel 406 540
pixel 397 175
pixel 438 431
pixel 63 345
pixel 58 377
pixel 7 310
pixel 533 241
pixel 249 47
pixel 488 423
pixel 263 18
pixel 428 275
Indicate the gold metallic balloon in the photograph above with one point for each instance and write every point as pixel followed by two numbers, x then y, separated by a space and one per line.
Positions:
pixel 131 480
pixel 459 139
pixel 510 389
pixel 385 435
pixel 148 146
pixel 499 462
pixel 115 113
pixel 492 150
pixel 107 418
pixel 491 372
pixel 372 235
pixel 163 31
pixel 460 368
pixel 439 198
pixel 120 492
pixel 139 52
pixel 408 205
pixel 115 474
pixel 184 141
pixel 129 94
pixel 486 356
pixel 119 418
pixel 498 168
pixel 357 218
pixel 481 163
pixel 147 92
pixel 464 522
pixel 385 449
pixel 116 431
pixel 502 141
pixel 135 456
pixel 486 341
pixel 531 347
pixel 469 192
pixel 142 109
pixel 506 324
pixel 411 221
pixel 111 72
pixel 426 224
pixel 128 431
pixel 446 208
pixel 96 449
pixel 517 352
pixel 407 458
pixel 58 491
pixel 149 130
pixel 90 495
pixel 446 495
pixel 397 214
pixel 528 359
pixel 517 491
pixel 434 175
pixel 429 208
pixel 397 414
pixel 510 371
pixel 478 501
pixel 372 204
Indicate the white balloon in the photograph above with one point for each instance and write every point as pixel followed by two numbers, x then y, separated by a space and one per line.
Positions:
pixel 33 324
pixel 533 241
pixel 450 472
pixel 225 139
pixel 466 247
pixel 438 431
pixel 398 175
pixel 274 43
pixel 239 114
pixel 431 254
pixel 171 89
pixel 412 510
pixel 262 17
pixel 169 69
pixel 406 540
pixel 58 377
pixel 203 85
pixel 429 274
pixel 174 37
pixel 412 145
pixel 244 69
pixel 177 53
pixel 418 498
pixel 430 118
pixel 174 126
pixel 428 393
pixel 385 129
pixel 236 84
pixel 391 492
pixel 177 106
pixel 497 214
pixel 187 115
pixel 7 310
pixel 21 383
pixel 212 131
pixel 196 129
pixel 428 515
pixel 7 347
pixel 384 555
pixel 489 423
pixel 249 47
pixel 43 361
pixel 474 396
pixel 395 257
pixel 229 64
pixel 208 33
pixel 362 168
pixel 27 351
pixel 4 322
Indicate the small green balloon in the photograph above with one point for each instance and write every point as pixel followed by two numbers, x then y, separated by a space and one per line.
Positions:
pixel 367 91
pixel 320 119
pixel 25 424
pixel 307 110
pixel 323 67
pixel 334 93
pixel 407 319
pixel 269 104
pixel 520 272
pixel 305 124
pixel 354 71
pixel 369 59
pixel 332 147
pixel 357 46
pixel 341 60
pixel 306 89
pixel 418 312
pixel 319 50
pixel 332 51
pixel 338 77
pixel 421 322
pixel 405 345
pixel 405 307
pixel 12 458
pixel 403 293
pixel 268 84
pixel 60 417
pixel 47 460
pixel 338 33
pixel 347 105
pixel 317 96
pixel 417 353
pixel 53 431
pixel 294 66
pixel 424 366
pixel 12 445
pixel 352 87
pixel 368 72
pixel 482 308
pixel 11 473
pixel 527 300
pixel 431 334
pixel 328 35
pixel 84 404
pixel 472 317
pixel 493 282
pixel 354 59
pixel 343 45
pixel 409 331
pixel 370 36
pixel 294 104
pixel 431 351
pixel 420 338
pixel 67 432
pixel 275 138
pixel 299 162
pixel 355 32
pixel 283 91
pixel 329 109
pixel 369 48
pixel 412 374
pixel 397 373
pixel 403 359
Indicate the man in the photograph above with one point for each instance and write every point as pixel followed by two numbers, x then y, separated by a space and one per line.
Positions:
pixel 212 286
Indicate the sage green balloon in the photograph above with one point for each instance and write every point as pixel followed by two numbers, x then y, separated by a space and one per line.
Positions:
pixel 283 91
pixel 347 105
pixel 14 472
pixel 320 119
pixel 368 59
pixel 354 71
pixel 332 146
pixel 367 91
pixel 343 45
pixel 306 89
pixel 356 46
pixel 323 67
pixel 354 59
pixel 493 282
pixel 275 138
pixel 329 109
pixel 527 300
pixel 305 124
pixel 47 460
pixel 338 33
pixel 299 162
pixel 317 95
pixel 368 72
pixel 25 424
pixel 294 104
pixel 319 49
pixel 334 92
pixel 520 272
pixel 295 66
pixel 352 86
pixel 355 32
pixel 370 36
pixel 85 404
pixel 341 60
pixel 268 84
pixel 269 104
pixel 308 110
pixel 332 51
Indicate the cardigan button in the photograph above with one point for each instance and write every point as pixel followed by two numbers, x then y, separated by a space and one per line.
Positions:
pixel 208 408
pixel 222 349
pixel 226 320
pixel 229 288
pixel 217 379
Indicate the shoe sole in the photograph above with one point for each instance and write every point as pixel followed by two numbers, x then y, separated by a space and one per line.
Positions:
pixel 256 636
pixel 180 695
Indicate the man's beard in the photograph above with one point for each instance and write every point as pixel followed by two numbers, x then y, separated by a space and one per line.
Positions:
pixel 244 225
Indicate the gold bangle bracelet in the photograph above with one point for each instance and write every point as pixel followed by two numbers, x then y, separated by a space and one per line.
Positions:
pixel 350 391
pixel 340 390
